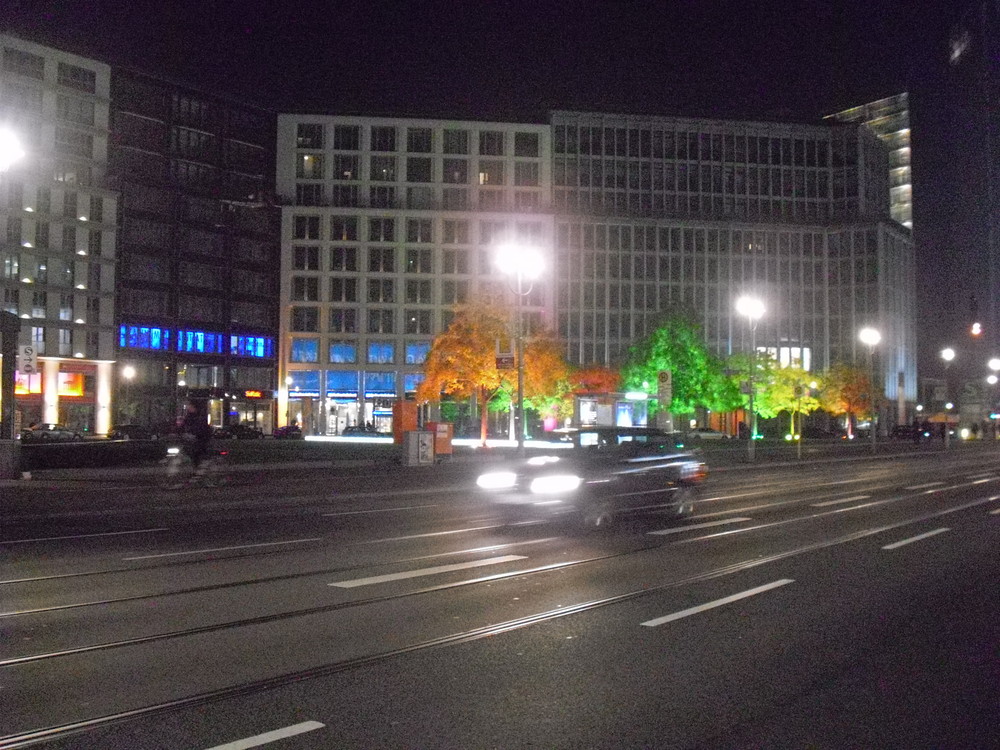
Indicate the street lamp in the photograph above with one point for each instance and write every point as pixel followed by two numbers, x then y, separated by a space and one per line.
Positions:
pixel 752 309
pixel 128 374
pixel 523 264
pixel 10 153
pixel 870 337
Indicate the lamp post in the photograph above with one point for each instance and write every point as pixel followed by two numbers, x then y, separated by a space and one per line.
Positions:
pixel 753 310
pixel 870 337
pixel 10 153
pixel 128 375
pixel 522 264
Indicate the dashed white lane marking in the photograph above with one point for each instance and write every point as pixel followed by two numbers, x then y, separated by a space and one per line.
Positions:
pixel 268 737
pixel 225 549
pixel 426 571
pixel 680 529
pixel 982 481
pixel 717 603
pixel 842 500
pixel 923 486
pixel 912 539
pixel 378 510
pixel 995 512
pixel 80 536
pixel 431 534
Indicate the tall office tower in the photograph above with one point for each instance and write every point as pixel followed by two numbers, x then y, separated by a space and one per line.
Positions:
pixel 660 212
pixel 59 235
pixel 388 224
pixel 889 118
pixel 199 251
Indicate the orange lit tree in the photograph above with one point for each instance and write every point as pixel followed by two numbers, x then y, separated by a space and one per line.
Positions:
pixel 846 391
pixel 596 379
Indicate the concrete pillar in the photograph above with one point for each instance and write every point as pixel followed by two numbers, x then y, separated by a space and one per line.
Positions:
pixel 102 418
pixel 50 390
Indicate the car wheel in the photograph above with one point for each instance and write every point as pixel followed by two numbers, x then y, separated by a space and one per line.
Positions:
pixel 598 516
pixel 685 496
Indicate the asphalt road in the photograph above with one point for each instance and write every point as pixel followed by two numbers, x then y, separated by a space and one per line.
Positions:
pixel 842 604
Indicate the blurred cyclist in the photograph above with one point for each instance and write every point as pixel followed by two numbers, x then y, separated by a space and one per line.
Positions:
pixel 198 434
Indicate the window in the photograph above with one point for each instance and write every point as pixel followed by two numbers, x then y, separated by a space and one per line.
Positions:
pixel 382 259
pixel 305 319
pixel 343 320
pixel 381 230
pixel 66 307
pixel 76 77
pixel 39 301
pixel 309 194
pixel 38 338
pixel 456 232
pixel 344 259
pixel 305 258
pixel 525 144
pixel 383 169
pixel 75 110
pixel 418 292
pixel 418 321
pixel 309 135
pixel 419 230
pixel 382 196
pixel 94 246
pixel 309 166
pixel 305 289
pixel 305 227
pixel 456 141
pixel 96 208
pixel 344 228
pixel 455 261
pixel 69 238
pixel 526 201
pixel 456 171
pixel 74 143
pixel 491 143
pixel 345 167
pixel 344 195
pixel 419 260
pixel 490 172
pixel 69 204
pixel 343 290
pixel 418 169
pixel 24 63
pixel 381 352
pixel 346 137
pixel 420 197
pixel 380 290
pixel 417 351
pixel 381 321
pixel 490 200
pixel 454 292
pixel 455 199
pixel 305 350
pixel 383 138
pixel 343 352
pixel 418 140
pixel 526 174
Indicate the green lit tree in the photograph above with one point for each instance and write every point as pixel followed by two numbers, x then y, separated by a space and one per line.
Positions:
pixel 788 389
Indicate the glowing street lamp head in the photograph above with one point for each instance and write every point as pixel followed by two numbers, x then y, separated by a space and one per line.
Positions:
pixel 994 364
pixel 128 372
pixel 519 260
pixel 869 336
pixel 10 149
pixel 750 307
pixel 948 354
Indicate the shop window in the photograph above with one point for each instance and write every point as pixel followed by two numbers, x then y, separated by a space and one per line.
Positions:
pixel 305 350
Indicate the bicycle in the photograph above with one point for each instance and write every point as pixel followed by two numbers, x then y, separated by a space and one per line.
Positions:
pixel 179 471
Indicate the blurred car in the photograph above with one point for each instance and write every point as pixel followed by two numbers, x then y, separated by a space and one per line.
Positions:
pixel 239 431
pixel 132 432
pixel 707 433
pixel 48 432
pixel 358 429
pixel 606 472
pixel 288 432
pixel 915 433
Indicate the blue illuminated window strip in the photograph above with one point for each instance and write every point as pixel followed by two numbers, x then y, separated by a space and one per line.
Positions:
pixel 193 342
pixel 144 337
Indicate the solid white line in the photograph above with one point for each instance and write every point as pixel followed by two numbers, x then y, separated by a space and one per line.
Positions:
pixel 378 510
pixel 80 536
pixel 680 529
pixel 425 571
pixel 924 486
pixel 716 603
pixel 431 534
pixel 912 539
pixel 225 549
pixel 267 737
pixel 842 500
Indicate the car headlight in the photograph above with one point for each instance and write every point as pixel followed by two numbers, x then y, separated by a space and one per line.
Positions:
pixel 497 480
pixel 555 483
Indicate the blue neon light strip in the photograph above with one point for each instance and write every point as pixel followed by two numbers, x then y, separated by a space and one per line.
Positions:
pixel 193 342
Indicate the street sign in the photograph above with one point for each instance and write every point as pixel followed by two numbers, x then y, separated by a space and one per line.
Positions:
pixel 27 359
pixel 665 388
pixel 505 361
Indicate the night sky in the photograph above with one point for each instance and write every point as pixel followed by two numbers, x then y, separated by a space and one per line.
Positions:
pixel 518 60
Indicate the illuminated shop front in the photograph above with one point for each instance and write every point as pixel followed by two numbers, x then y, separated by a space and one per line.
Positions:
pixel 72 392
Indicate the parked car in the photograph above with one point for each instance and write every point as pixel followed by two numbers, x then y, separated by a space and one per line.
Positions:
pixel 606 472
pixel 48 432
pixel 288 432
pixel 707 433
pixel 132 432
pixel 239 431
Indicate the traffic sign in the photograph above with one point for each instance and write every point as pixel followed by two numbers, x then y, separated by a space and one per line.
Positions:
pixel 27 359
pixel 505 361
pixel 665 387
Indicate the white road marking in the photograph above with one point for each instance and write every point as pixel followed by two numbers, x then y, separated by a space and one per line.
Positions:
pixel 680 529
pixel 80 536
pixel 378 510
pixel 717 603
pixel 425 571
pixel 924 486
pixel 268 737
pixel 912 539
pixel 983 481
pixel 842 500
pixel 225 549
pixel 433 533
pixel 995 512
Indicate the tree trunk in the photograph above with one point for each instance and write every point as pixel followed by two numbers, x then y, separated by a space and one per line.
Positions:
pixel 483 416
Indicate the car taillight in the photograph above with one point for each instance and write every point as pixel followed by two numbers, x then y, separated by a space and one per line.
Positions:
pixel 693 471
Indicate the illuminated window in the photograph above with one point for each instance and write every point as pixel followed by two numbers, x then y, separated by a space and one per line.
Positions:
pixel 343 352
pixel 305 350
pixel 417 351
pixel 411 380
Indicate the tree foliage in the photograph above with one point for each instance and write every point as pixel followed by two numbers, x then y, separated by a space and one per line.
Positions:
pixel 596 379
pixel 788 390
pixel 847 389
pixel 698 377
